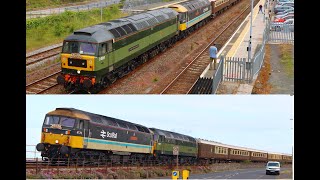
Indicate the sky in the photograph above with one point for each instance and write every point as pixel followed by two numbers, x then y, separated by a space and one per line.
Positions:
pixel 263 122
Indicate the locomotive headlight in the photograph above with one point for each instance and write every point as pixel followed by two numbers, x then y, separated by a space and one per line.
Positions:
pixel 78 71
pixel 57 141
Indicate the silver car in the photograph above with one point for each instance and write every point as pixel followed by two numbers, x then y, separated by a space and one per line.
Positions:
pixel 285 16
pixel 286 11
pixel 285 1
pixel 278 8
pixel 286 4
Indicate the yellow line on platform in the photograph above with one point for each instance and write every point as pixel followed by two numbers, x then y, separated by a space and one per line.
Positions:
pixel 236 45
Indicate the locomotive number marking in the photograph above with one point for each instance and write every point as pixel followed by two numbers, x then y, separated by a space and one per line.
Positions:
pixel 75 55
pixel 133 47
pixel 56 126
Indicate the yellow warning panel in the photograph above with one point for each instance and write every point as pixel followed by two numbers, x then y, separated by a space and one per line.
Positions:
pixel 185 174
pixel 175 174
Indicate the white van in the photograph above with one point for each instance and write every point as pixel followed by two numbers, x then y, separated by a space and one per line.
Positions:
pixel 273 167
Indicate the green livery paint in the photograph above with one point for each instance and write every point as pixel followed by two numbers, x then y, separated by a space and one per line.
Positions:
pixel 167 149
pixel 135 45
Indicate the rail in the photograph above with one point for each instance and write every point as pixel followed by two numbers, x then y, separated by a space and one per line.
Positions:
pixel 183 72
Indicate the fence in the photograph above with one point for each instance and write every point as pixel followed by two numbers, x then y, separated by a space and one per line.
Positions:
pixel 43 13
pixel 218 76
pixel 206 85
pixel 32 153
pixel 281 33
pixel 237 70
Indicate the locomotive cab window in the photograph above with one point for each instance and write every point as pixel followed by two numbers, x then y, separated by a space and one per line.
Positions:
pixel 80 124
pixel 79 47
pixel 182 17
pixel 67 122
pixel 63 121
pixel 51 120
pixel 102 49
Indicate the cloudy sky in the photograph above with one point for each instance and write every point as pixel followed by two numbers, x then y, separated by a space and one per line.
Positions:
pixel 254 121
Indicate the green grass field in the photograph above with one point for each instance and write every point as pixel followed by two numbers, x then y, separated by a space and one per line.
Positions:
pixel 41 32
pixel 40 4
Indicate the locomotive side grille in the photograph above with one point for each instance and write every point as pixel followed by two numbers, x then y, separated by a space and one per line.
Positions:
pixel 77 62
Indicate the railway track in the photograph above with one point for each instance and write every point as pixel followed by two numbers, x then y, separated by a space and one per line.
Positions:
pixel 43 55
pixel 184 81
pixel 42 85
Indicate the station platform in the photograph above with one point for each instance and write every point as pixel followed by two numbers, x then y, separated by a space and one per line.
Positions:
pixel 237 44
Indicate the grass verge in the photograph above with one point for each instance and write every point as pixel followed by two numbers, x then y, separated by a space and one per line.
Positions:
pixel 41 32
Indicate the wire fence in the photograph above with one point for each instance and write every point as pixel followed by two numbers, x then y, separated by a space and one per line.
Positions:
pixel 31 153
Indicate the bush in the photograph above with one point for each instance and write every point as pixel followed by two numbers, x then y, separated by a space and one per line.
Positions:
pixel 58 30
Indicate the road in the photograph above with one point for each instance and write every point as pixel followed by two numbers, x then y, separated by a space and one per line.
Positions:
pixel 252 173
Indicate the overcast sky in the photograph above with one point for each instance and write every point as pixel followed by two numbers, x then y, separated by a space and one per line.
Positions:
pixel 255 121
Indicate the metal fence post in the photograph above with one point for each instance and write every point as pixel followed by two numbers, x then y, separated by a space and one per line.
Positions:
pixel 222 67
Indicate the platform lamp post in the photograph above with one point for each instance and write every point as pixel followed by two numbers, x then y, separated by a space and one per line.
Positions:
pixel 249 46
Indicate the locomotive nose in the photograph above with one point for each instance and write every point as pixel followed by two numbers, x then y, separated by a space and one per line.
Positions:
pixel 60 79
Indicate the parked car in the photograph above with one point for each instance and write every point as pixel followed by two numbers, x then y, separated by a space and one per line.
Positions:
pixel 287 25
pixel 286 4
pixel 273 167
pixel 284 15
pixel 279 8
pixel 286 11
pixel 285 0
pixel 289 16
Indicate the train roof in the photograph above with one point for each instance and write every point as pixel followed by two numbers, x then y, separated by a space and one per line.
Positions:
pixel 238 147
pixel 173 135
pixel 228 146
pixel 194 4
pixel 121 27
pixel 97 118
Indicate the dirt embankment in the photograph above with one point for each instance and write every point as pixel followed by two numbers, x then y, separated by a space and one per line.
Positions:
pixel 276 75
